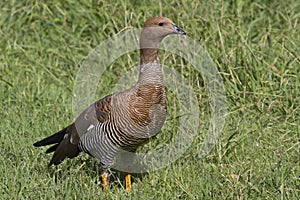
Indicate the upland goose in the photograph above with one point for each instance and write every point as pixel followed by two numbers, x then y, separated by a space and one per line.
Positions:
pixel 123 120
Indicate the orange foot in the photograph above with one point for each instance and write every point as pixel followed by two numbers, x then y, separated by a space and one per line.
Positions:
pixel 128 181
pixel 104 178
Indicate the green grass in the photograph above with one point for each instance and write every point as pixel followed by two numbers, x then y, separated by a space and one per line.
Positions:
pixel 256 47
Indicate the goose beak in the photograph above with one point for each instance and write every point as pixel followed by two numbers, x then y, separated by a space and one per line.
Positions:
pixel 178 30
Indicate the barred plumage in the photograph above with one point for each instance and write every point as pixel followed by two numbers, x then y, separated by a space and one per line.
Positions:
pixel 124 120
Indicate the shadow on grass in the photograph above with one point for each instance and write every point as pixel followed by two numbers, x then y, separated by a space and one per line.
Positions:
pixel 89 168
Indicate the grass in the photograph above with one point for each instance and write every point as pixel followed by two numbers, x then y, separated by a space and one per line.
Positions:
pixel 256 47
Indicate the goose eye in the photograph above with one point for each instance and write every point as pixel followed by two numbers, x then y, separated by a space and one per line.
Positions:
pixel 160 24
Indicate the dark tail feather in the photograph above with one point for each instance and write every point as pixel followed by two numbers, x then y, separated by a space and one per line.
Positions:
pixel 55 138
pixel 63 150
pixel 62 147
pixel 52 148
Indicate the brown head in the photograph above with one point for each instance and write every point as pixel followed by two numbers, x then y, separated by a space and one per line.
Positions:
pixel 154 30
pixel 157 28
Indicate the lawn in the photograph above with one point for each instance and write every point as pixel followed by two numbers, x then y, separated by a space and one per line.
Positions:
pixel 255 46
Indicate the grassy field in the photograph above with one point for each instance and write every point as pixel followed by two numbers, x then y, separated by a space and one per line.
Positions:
pixel 255 45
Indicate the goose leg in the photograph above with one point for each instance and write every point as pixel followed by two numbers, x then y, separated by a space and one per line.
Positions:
pixel 105 181
pixel 128 181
